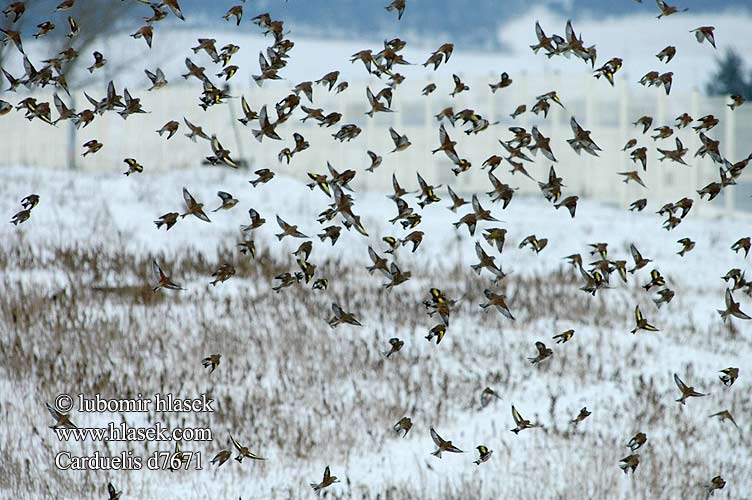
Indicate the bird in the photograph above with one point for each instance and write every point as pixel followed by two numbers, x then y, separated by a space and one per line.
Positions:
pixel 638 205
pixel 705 33
pixel 686 391
pixel 243 451
pixel 564 337
pixel 62 420
pixel 496 236
pixel 543 353
pixel 288 230
pixel 743 244
pixel 639 260
pixel 687 246
pixel 736 101
pixel 235 11
pixel 642 323
pixel 113 493
pixel 609 69
pixel 521 423
pixel 486 262
pixel 133 166
pixel 92 147
pixel 486 396
pixel 399 6
pixel 174 7
pixel 732 308
pixel 403 424
pixel 168 220
pixel 264 175
pixel 504 82
pixel 498 301
pixel 396 344
pixel 401 142
pixel 222 274
pixel 99 61
pixel 717 483
pixel 145 32
pixel 327 481
pixel 570 202
pixel 666 295
pixel 211 360
pixel 196 131
pixel 667 10
pixel 484 454
pixel 667 53
pixel 518 111
pixel 266 128
pixel 629 462
pixel 30 201
pixel 655 280
pixel 729 376
pixel 157 79
pixel 584 413
pixel 221 457
pixel 437 331
pixel 442 445
pixel 20 217
pixel 725 415
pixel 164 281
pixel 228 201
pixel 459 86
pixel 637 441
pixel 340 317
pixel 193 207
pixel 536 245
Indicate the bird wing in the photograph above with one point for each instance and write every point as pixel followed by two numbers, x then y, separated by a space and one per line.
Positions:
pixel 189 200
pixel 436 438
pixel 635 253
pixel 235 443
pixel 516 415
pixel 371 98
pixel 681 385
pixel 539 32
pixel 638 314
pixel 373 255
pixel 245 106
pixel 395 136
pixel 541 348
pixel 55 414
pixel 476 204
pixel 157 269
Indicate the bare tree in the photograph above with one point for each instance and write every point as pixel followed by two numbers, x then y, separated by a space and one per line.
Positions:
pixel 96 21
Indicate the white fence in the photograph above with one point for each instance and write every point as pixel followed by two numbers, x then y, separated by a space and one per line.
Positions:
pixel 607 112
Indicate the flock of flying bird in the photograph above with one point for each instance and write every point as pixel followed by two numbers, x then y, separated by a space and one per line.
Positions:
pixel 334 185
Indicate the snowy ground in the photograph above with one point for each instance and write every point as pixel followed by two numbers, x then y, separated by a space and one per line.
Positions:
pixel 78 315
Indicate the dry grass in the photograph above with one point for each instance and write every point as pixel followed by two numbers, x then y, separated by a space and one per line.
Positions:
pixel 77 319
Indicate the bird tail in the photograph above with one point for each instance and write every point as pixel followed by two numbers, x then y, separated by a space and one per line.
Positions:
pixel 258 134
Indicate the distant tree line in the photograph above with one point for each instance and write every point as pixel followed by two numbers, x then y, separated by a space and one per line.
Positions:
pixel 731 77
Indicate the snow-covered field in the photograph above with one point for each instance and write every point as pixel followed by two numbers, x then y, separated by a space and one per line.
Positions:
pixel 78 316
